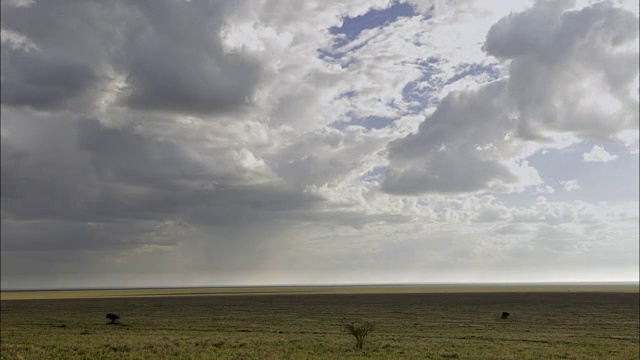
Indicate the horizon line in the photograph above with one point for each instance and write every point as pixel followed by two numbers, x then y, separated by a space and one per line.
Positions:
pixel 506 283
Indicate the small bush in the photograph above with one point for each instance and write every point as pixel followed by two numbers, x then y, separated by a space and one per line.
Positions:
pixel 113 317
pixel 449 356
pixel 360 331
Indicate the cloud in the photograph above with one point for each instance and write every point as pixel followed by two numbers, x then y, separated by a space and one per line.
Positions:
pixel 570 185
pixel 544 43
pixel 175 60
pixel 630 140
pixel 170 56
pixel 86 185
pixel 60 61
pixel 545 189
pixel 19 3
pixel 43 175
pixel 40 81
pixel 241 142
pixel 561 61
pixel 598 154
pixel 16 41
pixel 328 155
pixel 453 152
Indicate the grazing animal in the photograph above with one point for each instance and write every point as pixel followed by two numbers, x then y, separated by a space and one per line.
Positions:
pixel 504 315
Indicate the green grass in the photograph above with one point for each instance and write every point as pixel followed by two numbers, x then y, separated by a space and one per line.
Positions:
pixel 312 290
pixel 552 325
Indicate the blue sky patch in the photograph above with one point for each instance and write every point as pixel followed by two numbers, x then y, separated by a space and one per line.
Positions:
pixel 375 174
pixel 616 180
pixel 369 123
pixel 352 27
pixel 418 90
pixel 465 70
pixel 613 181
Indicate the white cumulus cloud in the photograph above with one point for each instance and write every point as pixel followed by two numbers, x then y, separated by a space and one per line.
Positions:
pixel 598 154
pixel 570 185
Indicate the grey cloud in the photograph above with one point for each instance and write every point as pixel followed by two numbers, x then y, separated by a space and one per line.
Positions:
pixel 553 52
pixel 513 229
pixel 36 80
pixel 241 205
pixel 91 187
pixel 550 32
pixel 526 33
pixel 147 178
pixel 104 179
pixel 327 154
pixel 43 175
pixel 443 155
pixel 355 220
pixel 47 235
pixel 123 155
pixel 175 60
pixel 561 239
pixel 70 45
pixel 169 53
pixel 492 214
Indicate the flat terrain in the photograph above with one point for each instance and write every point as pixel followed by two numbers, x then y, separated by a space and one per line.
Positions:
pixel 313 290
pixel 411 324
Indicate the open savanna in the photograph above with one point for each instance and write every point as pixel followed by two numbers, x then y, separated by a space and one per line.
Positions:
pixel 308 323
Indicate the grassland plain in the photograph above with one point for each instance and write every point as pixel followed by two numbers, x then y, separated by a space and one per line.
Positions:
pixel 435 325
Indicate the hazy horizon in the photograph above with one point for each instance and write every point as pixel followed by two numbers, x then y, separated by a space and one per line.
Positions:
pixel 329 285
pixel 237 142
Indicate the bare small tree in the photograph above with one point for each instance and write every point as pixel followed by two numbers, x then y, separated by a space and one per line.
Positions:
pixel 113 317
pixel 360 331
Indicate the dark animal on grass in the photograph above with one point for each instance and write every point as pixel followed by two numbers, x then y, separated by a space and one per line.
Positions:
pixel 360 331
pixel 505 315
pixel 113 317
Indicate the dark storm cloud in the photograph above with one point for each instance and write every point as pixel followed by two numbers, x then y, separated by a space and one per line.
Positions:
pixel 237 205
pixel 168 52
pixel 147 178
pixel 124 156
pixel 61 55
pixel 31 79
pixel 55 166
pixel 79 185
pixel 47 235
pixel 43 175
pixel 175 60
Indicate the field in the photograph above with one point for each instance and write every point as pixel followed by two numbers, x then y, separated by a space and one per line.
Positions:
pixel 308 323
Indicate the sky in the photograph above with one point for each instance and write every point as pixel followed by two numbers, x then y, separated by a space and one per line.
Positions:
pixel 272 142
